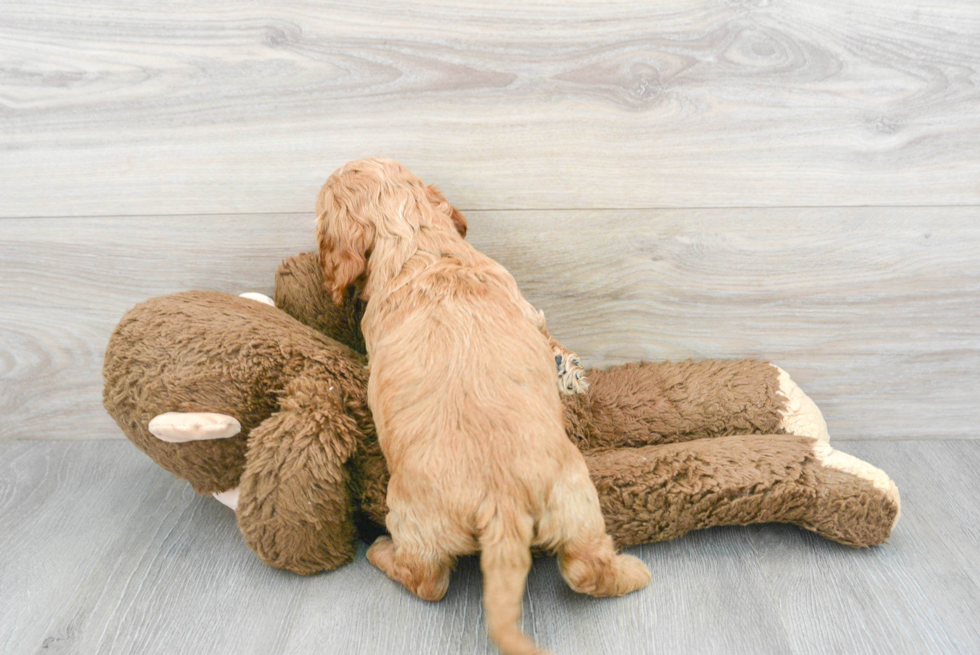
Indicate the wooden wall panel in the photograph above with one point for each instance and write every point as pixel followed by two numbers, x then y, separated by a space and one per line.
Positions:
pixel 873 310
pixel 148 108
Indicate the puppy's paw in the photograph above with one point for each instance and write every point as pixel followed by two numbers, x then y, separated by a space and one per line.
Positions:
pixel 382 553
pixel 606 576
pixel 571 375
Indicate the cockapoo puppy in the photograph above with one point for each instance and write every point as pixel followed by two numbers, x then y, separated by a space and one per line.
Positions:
pixel 462 389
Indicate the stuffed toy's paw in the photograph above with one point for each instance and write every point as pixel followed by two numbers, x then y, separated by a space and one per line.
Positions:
pixel 800 415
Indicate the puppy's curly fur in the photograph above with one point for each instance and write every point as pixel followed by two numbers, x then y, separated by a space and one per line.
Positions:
pixel 462 390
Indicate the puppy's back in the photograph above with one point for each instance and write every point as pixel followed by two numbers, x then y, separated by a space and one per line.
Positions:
pixel 462 387
pixel 459 369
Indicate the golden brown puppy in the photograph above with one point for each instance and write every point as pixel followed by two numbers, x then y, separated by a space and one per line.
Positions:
pixel 462 389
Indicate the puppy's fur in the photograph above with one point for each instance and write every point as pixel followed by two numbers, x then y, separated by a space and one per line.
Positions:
pixel 462 389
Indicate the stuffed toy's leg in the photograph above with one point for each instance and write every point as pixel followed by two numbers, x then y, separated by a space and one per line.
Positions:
pixel 655 403
pixel 630 405
pixel 295 507
pixel 297 510
pixel 647 494
pixel 656 493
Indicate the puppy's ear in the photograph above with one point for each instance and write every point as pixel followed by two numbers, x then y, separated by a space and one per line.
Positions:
pixel 442 205
pixel 459 221
pixel 343 252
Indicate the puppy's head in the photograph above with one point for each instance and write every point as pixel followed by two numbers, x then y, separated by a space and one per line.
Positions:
pixel 373 205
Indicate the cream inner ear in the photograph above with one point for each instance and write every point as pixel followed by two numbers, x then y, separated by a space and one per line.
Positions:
pixel 180 427
pixel 260 297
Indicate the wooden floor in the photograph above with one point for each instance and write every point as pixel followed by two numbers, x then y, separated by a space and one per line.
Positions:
pixel 103 552
pixel 796 181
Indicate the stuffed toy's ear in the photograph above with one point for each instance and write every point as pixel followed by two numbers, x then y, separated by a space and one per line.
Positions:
pixel 294 508
pixel 440 204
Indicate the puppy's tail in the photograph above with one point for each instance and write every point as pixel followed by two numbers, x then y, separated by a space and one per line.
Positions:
pixel 505 559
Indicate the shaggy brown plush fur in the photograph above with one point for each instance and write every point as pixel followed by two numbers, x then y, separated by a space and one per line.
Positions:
pixel 757 476
pixel 679 477
pixel 298 395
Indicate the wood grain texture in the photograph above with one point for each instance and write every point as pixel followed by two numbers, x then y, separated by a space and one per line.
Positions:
pixel 106 553
pixel 873 311
pixel 135 108
pixel 74 278
pixel 918 594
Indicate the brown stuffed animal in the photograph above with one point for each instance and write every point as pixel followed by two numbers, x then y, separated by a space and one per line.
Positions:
pixel 248 403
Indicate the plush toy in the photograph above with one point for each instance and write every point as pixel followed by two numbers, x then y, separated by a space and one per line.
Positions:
pixel 265 407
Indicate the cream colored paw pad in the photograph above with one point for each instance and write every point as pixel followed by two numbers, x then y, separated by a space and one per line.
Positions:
pixel 258 297
pixel 835 459
pixel 228 498
pixel 800 416
pixel 180 427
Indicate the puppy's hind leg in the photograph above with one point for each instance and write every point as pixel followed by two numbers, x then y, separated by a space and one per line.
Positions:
pixel 586 556
pixel 422 568
pixel 590 565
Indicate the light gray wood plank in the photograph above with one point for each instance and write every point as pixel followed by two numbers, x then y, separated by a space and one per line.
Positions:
pixel 872 310
pixel 689 602
pixel 920 593
pixel 137 108
pixel 74 278
pixel 105 553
